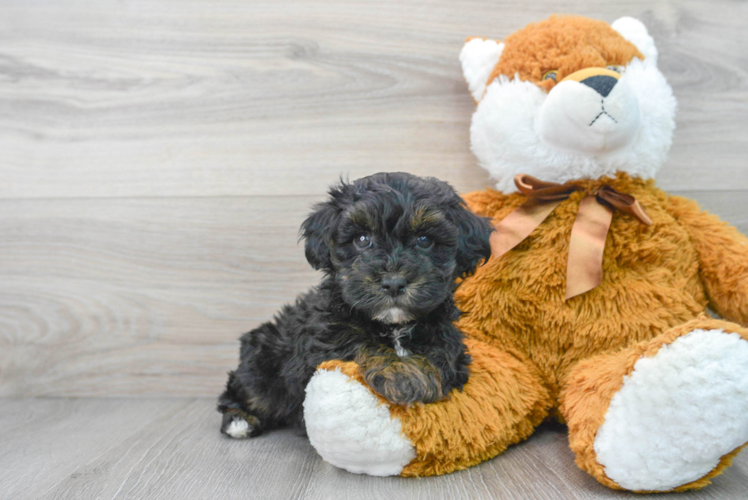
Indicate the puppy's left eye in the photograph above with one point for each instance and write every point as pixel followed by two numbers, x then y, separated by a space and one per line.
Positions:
pixel 615 67
pixel 424 241
pixel 362 241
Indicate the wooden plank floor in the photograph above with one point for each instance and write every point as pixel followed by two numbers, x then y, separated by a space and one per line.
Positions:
pixel 80 449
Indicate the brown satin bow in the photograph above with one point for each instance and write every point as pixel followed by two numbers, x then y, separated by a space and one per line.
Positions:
pixel 584 269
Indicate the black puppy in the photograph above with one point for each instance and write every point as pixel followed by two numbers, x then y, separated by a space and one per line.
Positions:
pixel 391 246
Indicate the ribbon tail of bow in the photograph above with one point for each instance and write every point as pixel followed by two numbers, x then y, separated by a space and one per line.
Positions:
pixel 518 225
pixel 584 269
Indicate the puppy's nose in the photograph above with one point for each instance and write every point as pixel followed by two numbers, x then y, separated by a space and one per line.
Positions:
pixel 394 284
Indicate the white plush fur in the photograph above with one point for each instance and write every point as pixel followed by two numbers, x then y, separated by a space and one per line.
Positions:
pixel 509 137
pixel 635 32
pixel 677 413
pixel 576 119
pixel 350 429
pixel 478 58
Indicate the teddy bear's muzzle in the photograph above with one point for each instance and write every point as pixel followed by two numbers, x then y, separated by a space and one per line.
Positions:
pixel 592 111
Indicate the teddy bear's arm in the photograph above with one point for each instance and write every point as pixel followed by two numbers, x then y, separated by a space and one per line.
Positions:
pixel 723 258
pixel 355 428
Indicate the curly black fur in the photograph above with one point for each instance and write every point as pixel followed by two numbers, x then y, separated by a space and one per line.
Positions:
pixel 391 246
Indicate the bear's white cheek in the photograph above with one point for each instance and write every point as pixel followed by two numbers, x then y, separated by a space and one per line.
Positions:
pixel 577 119
pixel 502 131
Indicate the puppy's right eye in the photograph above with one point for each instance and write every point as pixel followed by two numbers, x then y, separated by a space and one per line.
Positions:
pixel 362 241
pixel 424 241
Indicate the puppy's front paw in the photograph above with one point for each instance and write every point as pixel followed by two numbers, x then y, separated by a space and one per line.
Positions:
pixel 404 382
pixel 239 425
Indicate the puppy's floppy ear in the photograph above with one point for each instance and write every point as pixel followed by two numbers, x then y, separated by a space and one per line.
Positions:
pixel 318 230
pixel 473 245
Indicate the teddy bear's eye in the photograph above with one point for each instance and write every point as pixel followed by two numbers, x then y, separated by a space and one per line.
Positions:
pixel 362 241
pixel 615 67
pixel 550 75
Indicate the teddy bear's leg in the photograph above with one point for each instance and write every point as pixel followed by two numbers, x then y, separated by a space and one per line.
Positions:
pixel 355 429
pixel 666 414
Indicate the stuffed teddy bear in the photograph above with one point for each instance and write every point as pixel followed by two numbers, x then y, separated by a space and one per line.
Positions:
pixel 591 309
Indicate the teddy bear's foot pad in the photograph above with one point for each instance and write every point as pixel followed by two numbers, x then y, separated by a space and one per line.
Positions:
pixel 351 429
pixel 678 413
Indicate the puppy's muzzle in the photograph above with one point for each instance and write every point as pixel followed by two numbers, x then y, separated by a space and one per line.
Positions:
pixel 394 284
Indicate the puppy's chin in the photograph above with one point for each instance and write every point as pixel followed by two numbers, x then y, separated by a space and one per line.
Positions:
pixel 393 316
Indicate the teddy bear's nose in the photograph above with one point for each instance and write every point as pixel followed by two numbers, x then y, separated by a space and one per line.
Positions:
pixel 602 84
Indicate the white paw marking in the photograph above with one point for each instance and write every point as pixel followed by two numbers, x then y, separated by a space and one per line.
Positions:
pixel 238 428
pixel 678 413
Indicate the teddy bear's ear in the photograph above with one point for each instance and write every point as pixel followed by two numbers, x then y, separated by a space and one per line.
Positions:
pixel 635 32
pixel 479 57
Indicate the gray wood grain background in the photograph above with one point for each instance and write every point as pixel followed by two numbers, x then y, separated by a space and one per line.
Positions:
pixel 108 448
pixel 157 157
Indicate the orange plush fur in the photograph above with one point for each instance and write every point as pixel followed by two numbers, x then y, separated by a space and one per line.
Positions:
pixel 564 44
pixel 533 350
pixel 501 383
pixel 659 276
